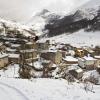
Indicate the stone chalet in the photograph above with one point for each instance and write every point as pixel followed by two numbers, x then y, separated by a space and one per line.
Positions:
pixel 70 60
pixel 79 52
pixel 77 72
pixel 3 60
pixel 14 58
pixel 98 62
pixel 28 55
pixel 87 62
pixel 43 45
pixel 2 47
pixel 41 68
pixel 54 55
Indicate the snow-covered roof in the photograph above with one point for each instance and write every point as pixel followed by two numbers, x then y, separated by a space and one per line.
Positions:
pixel 72 52
pixel 3 55
pixel 45 51
pixel 29 43
pixel 70 58
pixel 54 65
pixel 28 50
pixel 15 45
pixel 76 68
pixel 14 55
pixel 41 41
pixel 89 50
pixel 52 48
pixel 79 70
pixel 88 58
pixel 46 61
pixel 97 57
pixel 37 65
pixel 1 43
pixel 11 50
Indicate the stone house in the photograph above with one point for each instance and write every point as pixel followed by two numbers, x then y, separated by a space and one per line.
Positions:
pixel 15 46
pixel 12 51
pixel 54 56
pixel 89 51
pixel 98 63
pixel 14 58
pixel 88 63
pixel 98 60
pixel 31 45
pixel 70 60
pixel 77 73
pixel 2 47
pixel 79 52
pixel 3 60
pixel 41 68
pixel 43 45
pixel 28 55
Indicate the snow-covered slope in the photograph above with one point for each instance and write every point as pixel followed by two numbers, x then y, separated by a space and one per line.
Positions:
pixel 45 89
pixel 89 10
pixel 78 39
pixel 11 26
pixel 38 21
pixel 85 17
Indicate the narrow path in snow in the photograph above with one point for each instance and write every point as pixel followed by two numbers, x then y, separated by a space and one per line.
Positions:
pixel 8 92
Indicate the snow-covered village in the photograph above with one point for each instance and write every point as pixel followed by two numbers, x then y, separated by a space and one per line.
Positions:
pixel 55 55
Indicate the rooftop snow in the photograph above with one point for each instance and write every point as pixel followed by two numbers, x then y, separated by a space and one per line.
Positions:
pixel 14 55
pixel 88 58
pixel 70 58
pixel 2 55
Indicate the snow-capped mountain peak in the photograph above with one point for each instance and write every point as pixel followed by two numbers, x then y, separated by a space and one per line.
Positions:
pixel 39 20
pixel 12 26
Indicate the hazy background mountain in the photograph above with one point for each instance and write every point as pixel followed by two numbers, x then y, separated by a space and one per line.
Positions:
pixel 86 17
pixel 23 10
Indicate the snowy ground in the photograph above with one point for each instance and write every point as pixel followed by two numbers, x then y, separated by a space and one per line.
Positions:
pixel 44 89
pixel 78 39
pixel 12 88
pixel 10 72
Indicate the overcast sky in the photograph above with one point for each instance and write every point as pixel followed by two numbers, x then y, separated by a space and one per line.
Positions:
pixel 22 10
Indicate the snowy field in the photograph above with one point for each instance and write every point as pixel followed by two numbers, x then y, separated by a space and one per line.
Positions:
pixel 13 88
pixel 78 39
pixel 44 89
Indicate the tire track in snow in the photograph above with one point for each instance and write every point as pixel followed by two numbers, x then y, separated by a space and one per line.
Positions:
pixel 4 94
pixel 12 91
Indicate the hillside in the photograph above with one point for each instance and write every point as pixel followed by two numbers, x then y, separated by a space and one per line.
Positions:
pixel 84 18
pixel 77 39
pixel 9 27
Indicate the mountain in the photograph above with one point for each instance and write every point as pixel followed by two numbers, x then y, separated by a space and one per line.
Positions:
pixel 86 17
pixel 7 27
pixel 40 19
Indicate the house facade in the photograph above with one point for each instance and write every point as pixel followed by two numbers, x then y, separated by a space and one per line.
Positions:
pixel 79 52
pixel 54 56
pixel 28 55
pixel 43 45
pixel 88 63
pixel 77 73
pixel 3 60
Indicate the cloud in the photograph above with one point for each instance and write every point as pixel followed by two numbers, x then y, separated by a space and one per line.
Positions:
pixel 22 10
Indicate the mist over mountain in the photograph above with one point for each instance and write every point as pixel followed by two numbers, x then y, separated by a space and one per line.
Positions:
pixel 54 17
pixel 87 17
pixel 23 10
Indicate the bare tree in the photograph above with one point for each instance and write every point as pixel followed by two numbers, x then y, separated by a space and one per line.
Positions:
pixel 88 86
